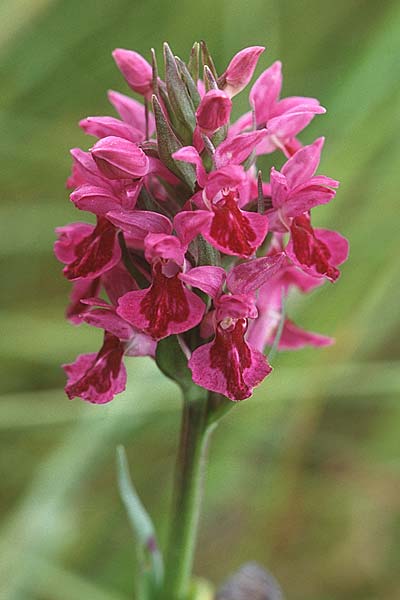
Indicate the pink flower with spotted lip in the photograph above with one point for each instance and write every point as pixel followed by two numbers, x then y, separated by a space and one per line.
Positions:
pixel 97 378
pixel 229 365
pixel 167 307
pixel 222 222
pixel 296 189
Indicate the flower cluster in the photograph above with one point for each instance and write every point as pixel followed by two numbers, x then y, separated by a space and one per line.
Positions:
pixel 189 241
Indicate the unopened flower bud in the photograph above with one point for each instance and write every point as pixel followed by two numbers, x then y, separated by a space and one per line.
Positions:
pixel 136 70
pixel 214 111
pixel 120 159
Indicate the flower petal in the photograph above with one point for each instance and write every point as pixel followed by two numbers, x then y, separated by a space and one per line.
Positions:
pixel 138 223
pixel 265 92
pixel 251 275
pixel 302 165
pixel 235 150
pixel 207 279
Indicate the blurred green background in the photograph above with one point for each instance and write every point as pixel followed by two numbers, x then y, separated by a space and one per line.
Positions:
pixel 305 476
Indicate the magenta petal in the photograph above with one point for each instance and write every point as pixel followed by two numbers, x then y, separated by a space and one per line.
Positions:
pixel 138 223
pixel 228 365
pixel 290 124
pixel 279 188
pixel 338 245
pixel 265 92
pixel 208 279
pixel 97 200
pixel 84 170
pixel 293 103
pixel 140 344
pixel 81 290
pixel 240 70
pixel 318 252
pixel 190 155
pixel 295 338
pixel 302 165
pixel 109 126
pixel 236 306
pixel 165 308
pixel 166 247
pixel 229 177
pixel 108 320
pixel 235 150
pixel 305 199
pixel 189 224
pixel 131 111
pixel 117 282
pixel 98 377
pixel 251 275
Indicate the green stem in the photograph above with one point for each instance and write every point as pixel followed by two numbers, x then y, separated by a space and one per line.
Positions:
pixel 195 431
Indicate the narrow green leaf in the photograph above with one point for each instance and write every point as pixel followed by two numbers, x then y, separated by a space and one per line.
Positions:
pixel 207 59
pixel 178 95
pixel 188 81
pixel 168 143
pixel 142 526
pixel 194 61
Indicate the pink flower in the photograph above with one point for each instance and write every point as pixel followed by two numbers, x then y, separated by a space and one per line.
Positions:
pixel 228 364
pixel 240 70
pixel 295 190
pixel 167 307
pixel 87 250
pixel 283 119
pixel 222 222
pixel 270 299
pixel 98 377
pixel 136 70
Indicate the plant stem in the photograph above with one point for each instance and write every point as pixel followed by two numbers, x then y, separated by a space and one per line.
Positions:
pixel 195 431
